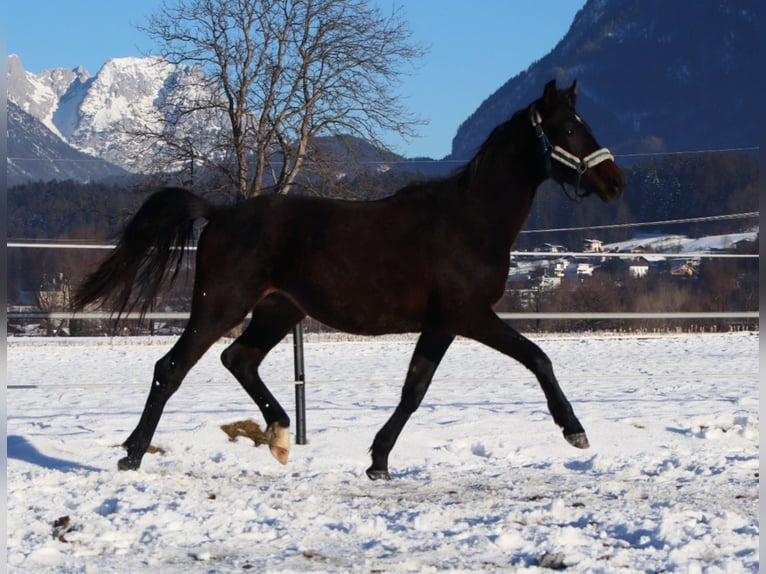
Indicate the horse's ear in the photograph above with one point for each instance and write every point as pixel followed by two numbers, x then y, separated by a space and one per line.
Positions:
pixel 572 95
pixel 550 95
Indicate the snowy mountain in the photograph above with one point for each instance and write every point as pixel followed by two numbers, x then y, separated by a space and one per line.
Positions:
pixel 124 96
pixel 97 114
pixel 654 76
pixel 41 95
pixel 37 153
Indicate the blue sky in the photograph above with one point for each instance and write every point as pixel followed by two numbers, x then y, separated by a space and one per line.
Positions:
pixel 474 48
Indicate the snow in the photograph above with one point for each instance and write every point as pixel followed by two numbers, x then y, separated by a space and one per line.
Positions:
pixel 52 96
pixel 719 242
pixel 482 478
pixel 33 94
pixel 683 244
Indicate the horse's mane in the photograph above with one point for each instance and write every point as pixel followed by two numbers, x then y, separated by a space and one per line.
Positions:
pixel 504 132
pixel 462 176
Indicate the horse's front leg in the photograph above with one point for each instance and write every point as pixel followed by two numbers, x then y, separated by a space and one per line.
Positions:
pixel 428 353
pixel 169 372
pixel 199 334
pixel 489 329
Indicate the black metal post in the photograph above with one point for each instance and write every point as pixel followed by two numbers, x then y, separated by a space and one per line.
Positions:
pixel 300 386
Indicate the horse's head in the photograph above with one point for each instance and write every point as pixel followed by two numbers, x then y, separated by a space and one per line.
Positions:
pixel 570 151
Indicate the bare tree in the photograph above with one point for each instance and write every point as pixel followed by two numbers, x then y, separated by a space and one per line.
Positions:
pixel 275 75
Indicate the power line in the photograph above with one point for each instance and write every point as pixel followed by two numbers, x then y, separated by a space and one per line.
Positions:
pixel 747 215
pixel 59 159
pixel 691 152
pixel 406 161
pixel 86 244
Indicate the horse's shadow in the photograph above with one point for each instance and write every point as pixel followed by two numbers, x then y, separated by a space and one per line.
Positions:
pixel 20 448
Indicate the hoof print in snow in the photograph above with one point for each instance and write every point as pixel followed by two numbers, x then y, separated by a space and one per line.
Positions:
pixel 552 561
pixel 61 527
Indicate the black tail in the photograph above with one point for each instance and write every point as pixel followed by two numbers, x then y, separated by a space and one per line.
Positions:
pixel 152 245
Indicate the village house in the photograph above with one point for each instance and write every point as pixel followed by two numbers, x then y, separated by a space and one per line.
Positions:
pixel 593 246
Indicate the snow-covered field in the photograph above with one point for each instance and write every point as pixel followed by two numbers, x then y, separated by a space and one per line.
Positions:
pixel 683 244
pixel 482 478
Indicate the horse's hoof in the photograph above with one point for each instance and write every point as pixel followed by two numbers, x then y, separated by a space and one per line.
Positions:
pixel 579 440
pixel 128 463
pixel 279 442
pixel 375 474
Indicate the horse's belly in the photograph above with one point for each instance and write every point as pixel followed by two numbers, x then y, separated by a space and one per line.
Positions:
pixel 365 309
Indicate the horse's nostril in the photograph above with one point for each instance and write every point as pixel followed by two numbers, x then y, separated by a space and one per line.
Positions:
pixel 618 184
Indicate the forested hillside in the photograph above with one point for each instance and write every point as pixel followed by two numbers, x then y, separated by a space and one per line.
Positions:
pixel 671 187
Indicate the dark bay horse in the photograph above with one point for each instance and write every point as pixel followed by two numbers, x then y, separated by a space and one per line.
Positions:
pixel 433 259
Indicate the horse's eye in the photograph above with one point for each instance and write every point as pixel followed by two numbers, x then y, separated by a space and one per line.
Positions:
pixel 570 132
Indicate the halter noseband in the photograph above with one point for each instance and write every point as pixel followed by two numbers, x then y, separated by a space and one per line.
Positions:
pixel 563 156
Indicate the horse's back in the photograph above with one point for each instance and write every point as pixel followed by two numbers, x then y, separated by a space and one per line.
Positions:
pixel 361 266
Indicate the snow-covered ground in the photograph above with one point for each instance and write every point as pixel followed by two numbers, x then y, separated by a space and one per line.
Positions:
pixel 682 243
pixel 482 478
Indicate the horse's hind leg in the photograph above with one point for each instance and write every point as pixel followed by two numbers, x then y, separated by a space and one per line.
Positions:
pixel 489 329
pixel 200 333
pixel 272 320
pixel 428 353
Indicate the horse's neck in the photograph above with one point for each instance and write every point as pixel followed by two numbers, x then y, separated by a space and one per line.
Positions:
pixel 503 186
pixel 508 210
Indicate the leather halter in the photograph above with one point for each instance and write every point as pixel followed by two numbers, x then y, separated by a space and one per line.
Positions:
pixel 580 165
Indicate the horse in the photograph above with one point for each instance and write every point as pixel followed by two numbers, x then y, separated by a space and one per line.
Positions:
pixel 432 259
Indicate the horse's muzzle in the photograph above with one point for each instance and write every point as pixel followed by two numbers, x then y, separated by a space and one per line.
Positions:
pixel 612 181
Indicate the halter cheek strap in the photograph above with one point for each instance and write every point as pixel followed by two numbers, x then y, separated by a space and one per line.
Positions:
pixel 563 156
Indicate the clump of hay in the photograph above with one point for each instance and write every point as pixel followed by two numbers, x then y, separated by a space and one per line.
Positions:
pixel 248 429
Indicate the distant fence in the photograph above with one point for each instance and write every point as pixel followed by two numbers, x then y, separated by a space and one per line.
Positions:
pixel 170 316
pixel 178 316
pixel 540 254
